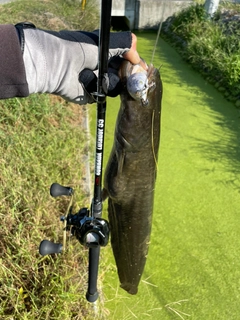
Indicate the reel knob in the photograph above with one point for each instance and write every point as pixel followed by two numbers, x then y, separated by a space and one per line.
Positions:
pixel 57 190
pixel 47 247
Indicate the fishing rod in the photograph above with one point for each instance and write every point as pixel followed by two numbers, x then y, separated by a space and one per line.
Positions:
pixel 100 97
pixel 87 225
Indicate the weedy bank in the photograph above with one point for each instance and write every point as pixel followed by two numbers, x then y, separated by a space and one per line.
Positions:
pixel 41 142
pixel 210 45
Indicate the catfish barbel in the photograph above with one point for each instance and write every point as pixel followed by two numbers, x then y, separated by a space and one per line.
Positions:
pixel 130 177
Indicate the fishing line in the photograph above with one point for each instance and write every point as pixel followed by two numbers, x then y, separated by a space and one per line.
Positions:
pixel 157 38
pixel 159 30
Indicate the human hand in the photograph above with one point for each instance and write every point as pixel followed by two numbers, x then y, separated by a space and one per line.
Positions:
pixel 54 60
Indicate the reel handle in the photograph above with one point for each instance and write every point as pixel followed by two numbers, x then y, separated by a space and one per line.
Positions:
pixel 57 190
pixel 47 247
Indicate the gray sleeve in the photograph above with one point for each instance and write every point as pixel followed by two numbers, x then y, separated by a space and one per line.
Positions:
pixel 119 43
pixel 12 71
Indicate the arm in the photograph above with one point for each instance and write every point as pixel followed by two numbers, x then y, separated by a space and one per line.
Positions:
pixel 42 61
pixel 13 81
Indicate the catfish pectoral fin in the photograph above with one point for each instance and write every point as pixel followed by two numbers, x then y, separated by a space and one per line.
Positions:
pixel 120 158
pixel 132 289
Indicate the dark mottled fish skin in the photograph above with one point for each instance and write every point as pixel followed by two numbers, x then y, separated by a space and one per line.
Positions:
pixel 130 180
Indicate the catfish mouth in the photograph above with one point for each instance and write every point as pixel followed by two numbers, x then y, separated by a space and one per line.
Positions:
pixel 138 82
pixel 127 69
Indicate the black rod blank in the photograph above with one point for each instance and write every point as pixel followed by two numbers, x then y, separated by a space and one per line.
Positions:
pixel 96 210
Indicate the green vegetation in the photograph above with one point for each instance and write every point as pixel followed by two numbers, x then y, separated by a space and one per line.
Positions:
pixel 211 46
pixel 50 14
pixel 41 142
pixel 38 138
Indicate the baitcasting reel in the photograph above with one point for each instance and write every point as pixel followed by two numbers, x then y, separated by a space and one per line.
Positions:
pixel 90 231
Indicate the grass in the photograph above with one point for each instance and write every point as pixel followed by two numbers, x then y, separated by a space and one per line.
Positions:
pixel 210 46
pixel 49 14
pixel 42 141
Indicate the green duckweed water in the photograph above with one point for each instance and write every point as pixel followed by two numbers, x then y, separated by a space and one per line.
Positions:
pixel 193 266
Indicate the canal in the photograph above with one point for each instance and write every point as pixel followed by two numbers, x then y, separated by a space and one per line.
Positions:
pixel 193 266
